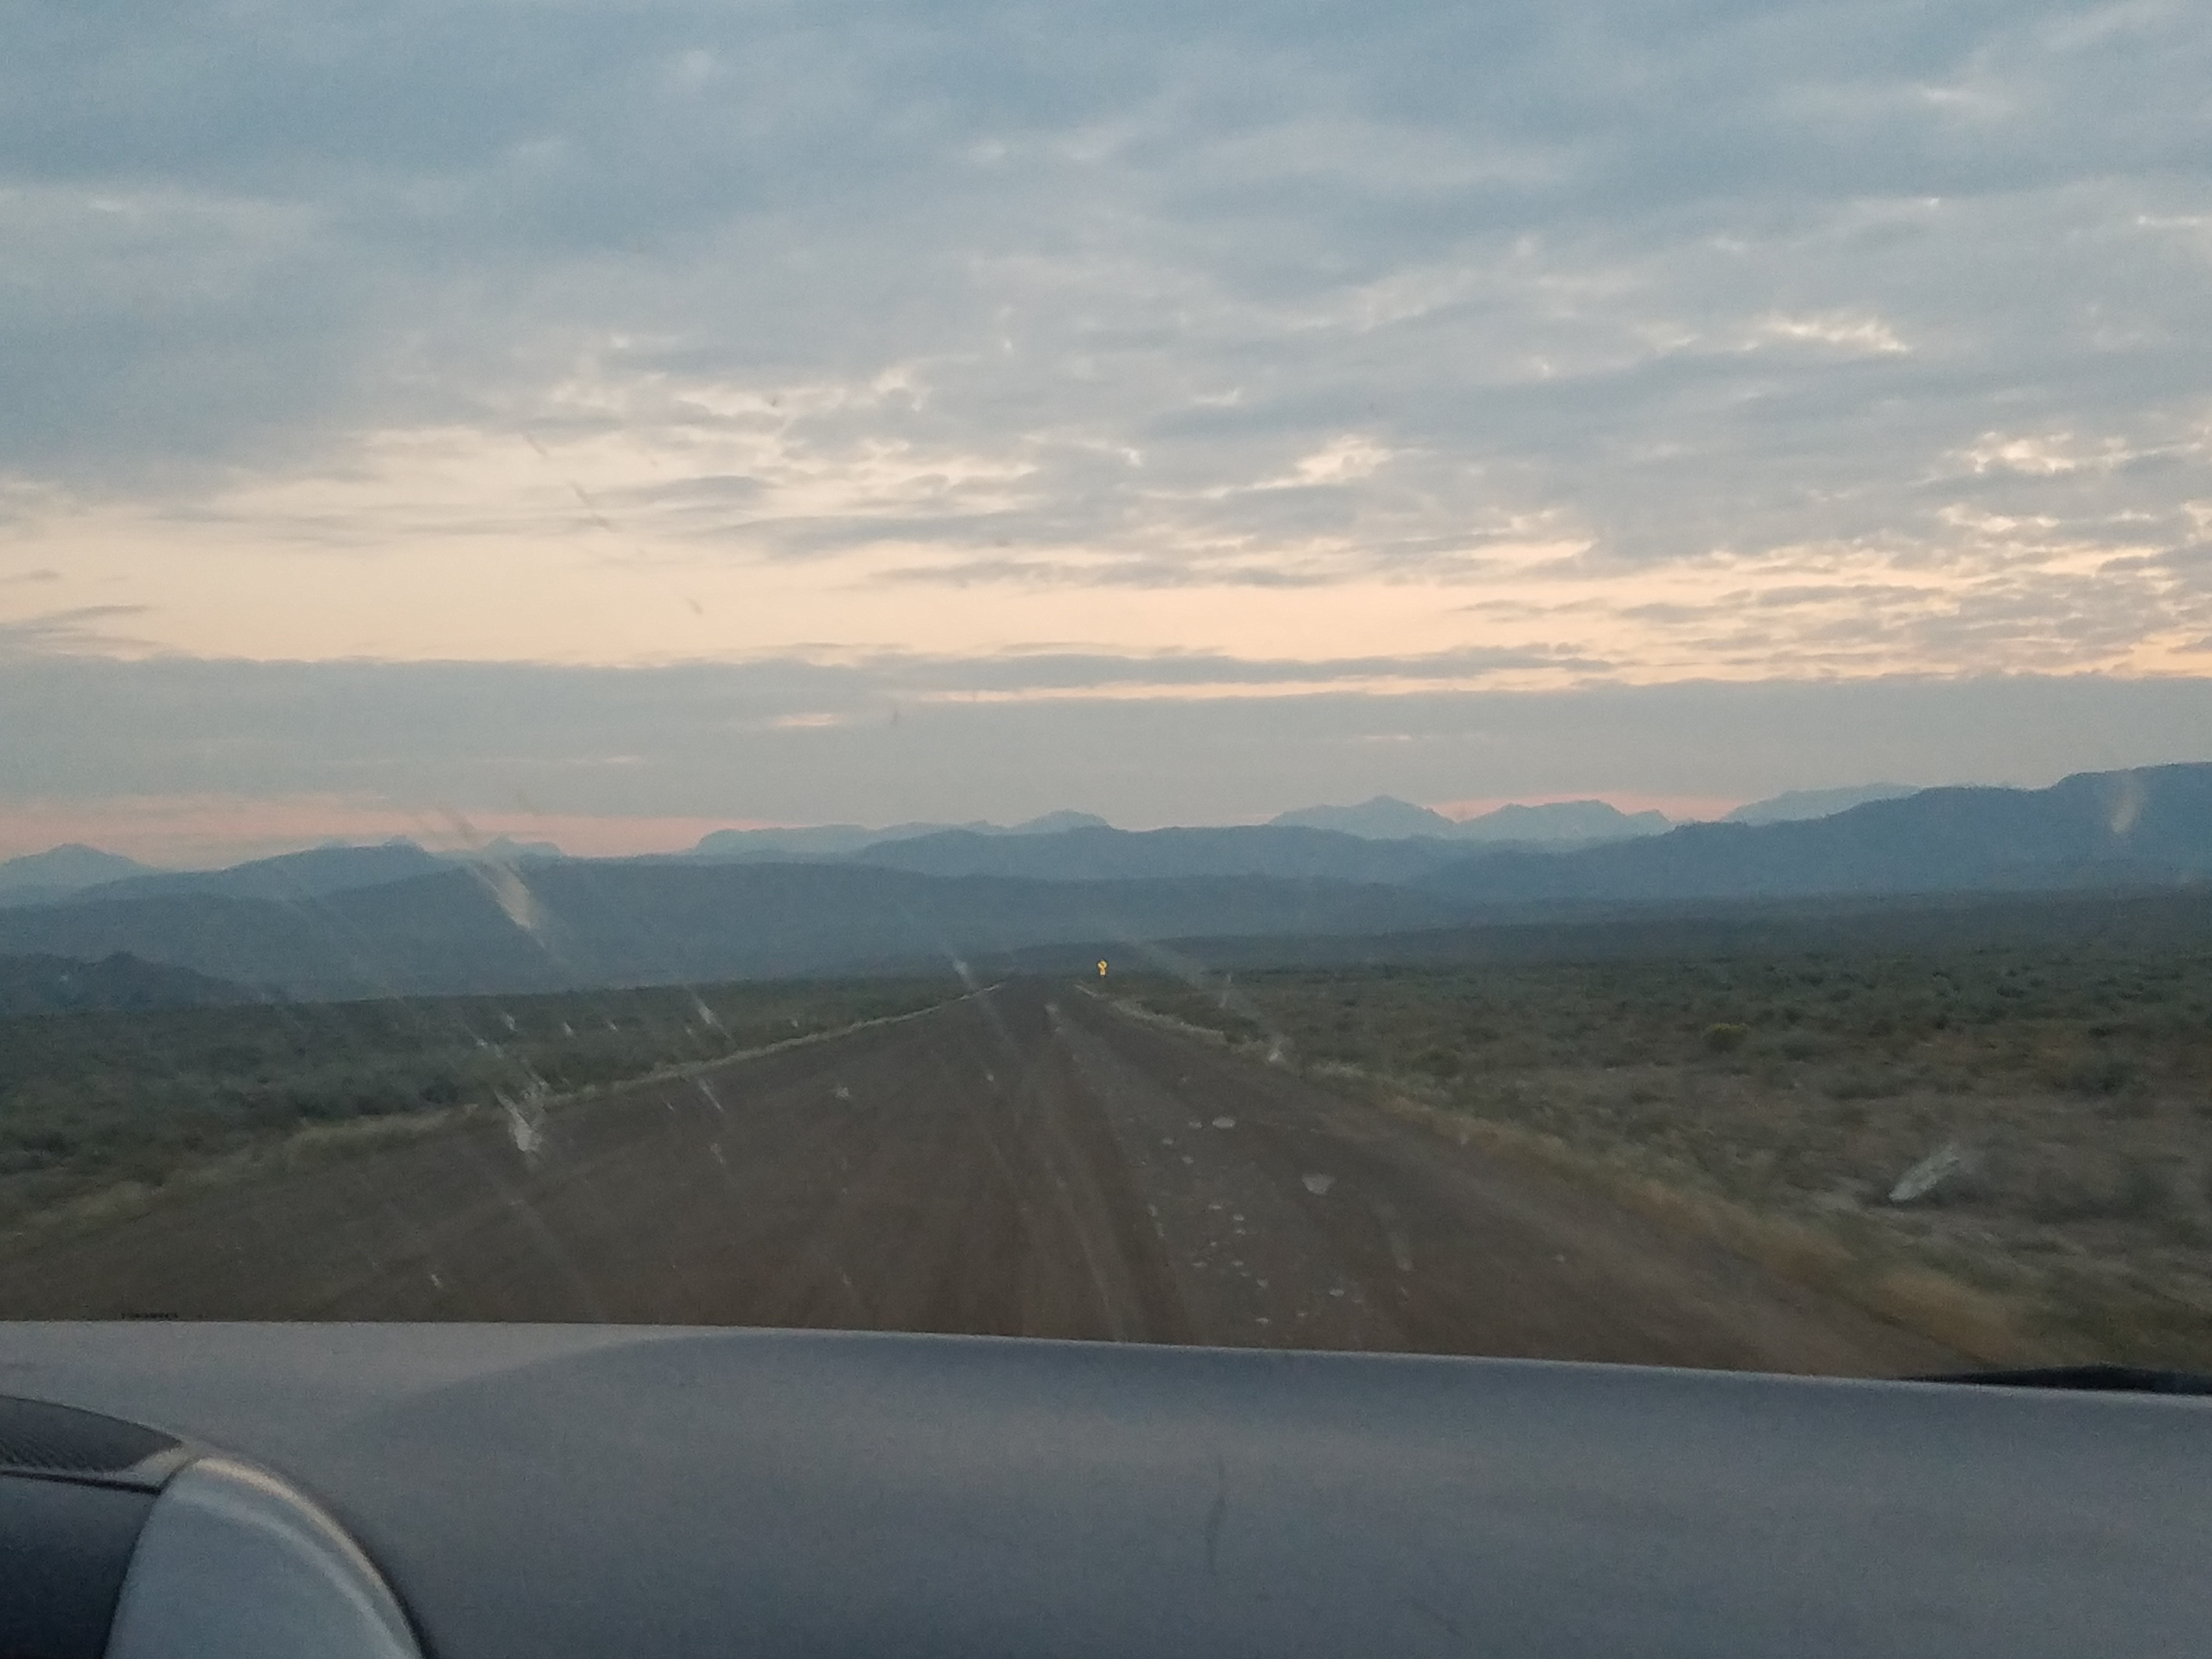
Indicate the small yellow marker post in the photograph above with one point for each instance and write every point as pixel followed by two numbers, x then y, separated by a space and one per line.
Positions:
pixel 1102 970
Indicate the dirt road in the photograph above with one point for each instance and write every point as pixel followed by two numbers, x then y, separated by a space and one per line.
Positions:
pixel 1025 1162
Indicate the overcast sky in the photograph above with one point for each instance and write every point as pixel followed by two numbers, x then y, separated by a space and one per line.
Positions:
pixel 614 420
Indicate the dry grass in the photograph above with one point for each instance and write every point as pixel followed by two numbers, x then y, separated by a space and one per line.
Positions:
pixel 1774 1105
pixel 98 1208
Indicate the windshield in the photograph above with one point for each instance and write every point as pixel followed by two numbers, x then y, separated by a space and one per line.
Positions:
pixel 1514 680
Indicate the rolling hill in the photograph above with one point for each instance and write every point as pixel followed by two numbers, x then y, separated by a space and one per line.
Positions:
pixel 121 983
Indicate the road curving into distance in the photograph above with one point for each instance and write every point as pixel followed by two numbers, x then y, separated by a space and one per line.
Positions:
pixel 1027 1161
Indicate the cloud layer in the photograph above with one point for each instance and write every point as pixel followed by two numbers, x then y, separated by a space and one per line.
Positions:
pixel 1536 346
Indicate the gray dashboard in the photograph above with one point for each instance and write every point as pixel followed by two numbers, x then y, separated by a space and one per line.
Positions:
pixel 551 1491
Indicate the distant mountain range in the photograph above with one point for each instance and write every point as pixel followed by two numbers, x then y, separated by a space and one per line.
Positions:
pixel 1792 806
pixel 1103 854
pixel 341 921
pixel 1382 818
pixel 830 841
pixel 308 875
pixel 2150 827
pixel 75 872
pixel 1387 819
pixel 60 870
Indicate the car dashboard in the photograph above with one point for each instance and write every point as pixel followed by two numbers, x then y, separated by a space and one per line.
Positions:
pixel 476 1492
